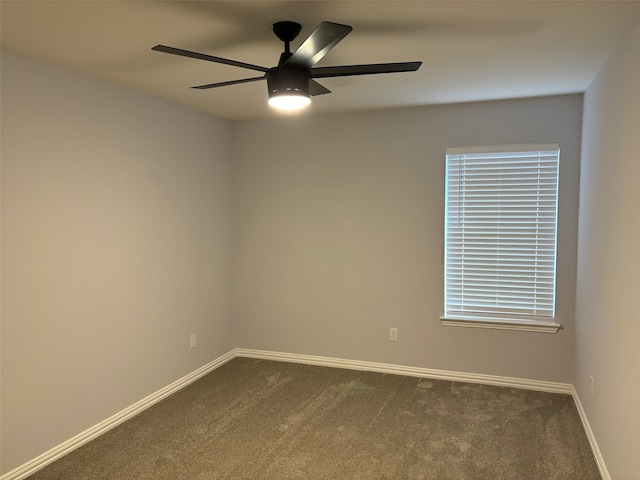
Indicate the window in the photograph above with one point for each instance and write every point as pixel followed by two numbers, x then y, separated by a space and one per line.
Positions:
pixel 500 237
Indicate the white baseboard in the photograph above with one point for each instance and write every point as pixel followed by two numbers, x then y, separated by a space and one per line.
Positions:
pixel 604 473
pixel 73 443
pixel 539 385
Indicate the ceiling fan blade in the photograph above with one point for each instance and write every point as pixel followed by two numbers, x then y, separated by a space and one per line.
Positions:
pixel 316 89
pixel 209 58
pixel 318 44
pixel 348 70
pixel 224 84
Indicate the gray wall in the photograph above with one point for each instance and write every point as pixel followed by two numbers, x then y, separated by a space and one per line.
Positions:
pixel 607 319
pixel 339 235
pixel 115 247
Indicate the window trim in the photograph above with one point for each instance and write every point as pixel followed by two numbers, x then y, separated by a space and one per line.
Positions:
pixel 522 326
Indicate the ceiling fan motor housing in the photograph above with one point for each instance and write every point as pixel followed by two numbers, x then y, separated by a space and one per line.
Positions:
pixel 288 80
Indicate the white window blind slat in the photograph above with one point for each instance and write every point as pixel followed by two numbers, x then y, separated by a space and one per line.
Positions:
pixel 500 232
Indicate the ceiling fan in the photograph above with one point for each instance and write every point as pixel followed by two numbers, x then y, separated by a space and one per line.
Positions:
pixel 291 83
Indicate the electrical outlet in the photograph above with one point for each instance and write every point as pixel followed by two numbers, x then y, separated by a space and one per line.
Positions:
pixel 591 386
pixel 193 340
pixel 393 334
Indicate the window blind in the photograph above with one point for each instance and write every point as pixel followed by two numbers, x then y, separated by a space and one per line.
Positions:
pixel 500 232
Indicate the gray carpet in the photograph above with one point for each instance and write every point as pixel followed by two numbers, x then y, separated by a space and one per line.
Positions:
pixel 256 419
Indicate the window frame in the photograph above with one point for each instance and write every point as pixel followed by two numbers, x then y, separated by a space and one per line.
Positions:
pixel 545 324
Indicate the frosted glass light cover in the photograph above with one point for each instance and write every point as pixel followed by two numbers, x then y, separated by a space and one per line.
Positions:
pixel 289 103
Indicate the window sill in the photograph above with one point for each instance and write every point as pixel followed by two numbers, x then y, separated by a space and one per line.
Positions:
pixel 523 326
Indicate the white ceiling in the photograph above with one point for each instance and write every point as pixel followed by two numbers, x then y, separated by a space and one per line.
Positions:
pixel 471 50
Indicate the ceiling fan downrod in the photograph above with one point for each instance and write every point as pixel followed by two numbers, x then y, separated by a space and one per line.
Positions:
pixel 287 32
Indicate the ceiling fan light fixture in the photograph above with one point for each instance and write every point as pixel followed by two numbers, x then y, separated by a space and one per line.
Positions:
pixel 288 88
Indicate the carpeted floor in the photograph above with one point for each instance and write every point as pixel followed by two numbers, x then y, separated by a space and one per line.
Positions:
pixel 257 419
